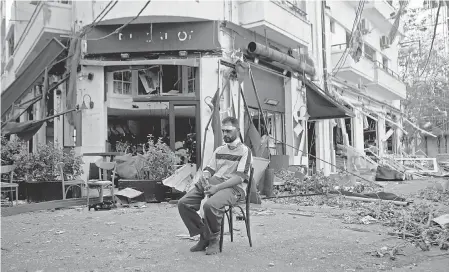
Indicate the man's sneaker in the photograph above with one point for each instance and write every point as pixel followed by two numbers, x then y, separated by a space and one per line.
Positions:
pixel 214 246
pixel 201 245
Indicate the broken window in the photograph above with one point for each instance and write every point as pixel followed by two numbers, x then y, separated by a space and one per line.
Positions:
pixel 369 52
pixel 121 82
pixel 168 80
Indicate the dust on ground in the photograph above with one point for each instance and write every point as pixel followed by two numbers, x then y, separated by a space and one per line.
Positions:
pixel 152 238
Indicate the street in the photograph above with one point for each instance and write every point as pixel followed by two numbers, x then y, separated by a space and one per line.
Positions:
pixel 285 238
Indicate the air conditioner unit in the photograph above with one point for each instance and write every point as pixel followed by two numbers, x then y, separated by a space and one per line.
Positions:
pixel 365 26
pixel 384 42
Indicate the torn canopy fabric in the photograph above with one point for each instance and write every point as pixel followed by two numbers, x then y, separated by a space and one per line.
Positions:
pixel 26 130
pixel 321 106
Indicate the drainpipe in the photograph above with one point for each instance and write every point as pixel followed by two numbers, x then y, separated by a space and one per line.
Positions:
pixel 297 65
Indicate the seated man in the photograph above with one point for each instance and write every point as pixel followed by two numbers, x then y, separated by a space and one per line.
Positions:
pixel 228 168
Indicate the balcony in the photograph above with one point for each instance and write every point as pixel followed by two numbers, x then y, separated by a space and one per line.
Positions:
pixel 280 21
pixel 388 83
pixel 378 12
pixel 49 20
pixel 351 70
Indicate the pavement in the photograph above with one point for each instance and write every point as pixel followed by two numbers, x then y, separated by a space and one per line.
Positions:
pixel 152 237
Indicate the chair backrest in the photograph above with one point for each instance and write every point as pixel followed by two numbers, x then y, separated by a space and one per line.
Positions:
pixel 8 169
pixel 60 167
pixel 103 167
pixel 248 188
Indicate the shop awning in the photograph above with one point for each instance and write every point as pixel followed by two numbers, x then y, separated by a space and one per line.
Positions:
pixel 26 130
pixel 322 106
pixel 31 74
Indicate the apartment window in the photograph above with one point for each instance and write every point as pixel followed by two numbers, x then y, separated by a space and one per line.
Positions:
pixel 121 82
pixel 385 62
pixel 369 52
pixel 11 45
pixel 332 25
pixel 348 38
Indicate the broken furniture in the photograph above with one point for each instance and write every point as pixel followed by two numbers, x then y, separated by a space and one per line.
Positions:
pixel 11 186
pixel 69 183
pixel 101 183
pixel 245 214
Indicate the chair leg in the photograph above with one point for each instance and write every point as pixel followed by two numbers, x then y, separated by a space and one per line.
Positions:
pixel 87 191
pixel 221 235
pixel 231 227
pixel 248 227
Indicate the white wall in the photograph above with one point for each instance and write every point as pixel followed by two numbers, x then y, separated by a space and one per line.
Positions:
pixel 161 11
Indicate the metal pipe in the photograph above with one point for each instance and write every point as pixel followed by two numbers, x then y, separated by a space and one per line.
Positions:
pixel 301 67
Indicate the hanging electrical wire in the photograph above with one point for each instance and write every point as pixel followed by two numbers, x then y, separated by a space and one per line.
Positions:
pixel 102 14
pixel 123 26
pixel 433 38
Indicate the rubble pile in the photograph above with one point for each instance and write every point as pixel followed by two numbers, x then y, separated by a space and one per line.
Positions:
pixel 288 182
pixel 434 195
pixel 417 223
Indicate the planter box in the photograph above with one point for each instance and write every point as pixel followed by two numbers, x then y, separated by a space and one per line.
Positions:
pixel 47 191
pixel 153 190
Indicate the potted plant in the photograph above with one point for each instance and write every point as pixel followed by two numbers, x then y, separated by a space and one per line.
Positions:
pixel 43 181
pixel 145 170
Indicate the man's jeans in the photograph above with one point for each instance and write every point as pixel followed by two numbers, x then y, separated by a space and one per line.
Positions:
pixel 190 203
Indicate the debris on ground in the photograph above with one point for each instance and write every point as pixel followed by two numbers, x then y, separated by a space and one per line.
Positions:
pixel 433 194
pixel 187 237
pixel 262 212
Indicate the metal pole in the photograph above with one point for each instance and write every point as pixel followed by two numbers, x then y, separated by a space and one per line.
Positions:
pixel 323 45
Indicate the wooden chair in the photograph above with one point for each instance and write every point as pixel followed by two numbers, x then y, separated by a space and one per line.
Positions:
pixel 11 186
pixel 102 183
pixel 68 183
pixel 245 214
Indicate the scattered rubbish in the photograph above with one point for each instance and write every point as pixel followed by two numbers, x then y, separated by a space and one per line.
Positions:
pixel 368 220
pixel 357 229
pixel 127 194
pixel 301 214
pixel 263 213
pixel 187 237
pixel 391 252
pixel 442 220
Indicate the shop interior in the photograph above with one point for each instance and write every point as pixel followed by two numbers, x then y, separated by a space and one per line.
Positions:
pixel 129 130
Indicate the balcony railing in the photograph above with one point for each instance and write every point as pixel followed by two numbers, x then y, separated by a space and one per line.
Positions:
pixel 388 70
pixel 281 21
pixel 292 7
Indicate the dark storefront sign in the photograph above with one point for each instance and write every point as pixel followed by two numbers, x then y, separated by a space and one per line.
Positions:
pixel 269 86
pixel 157 37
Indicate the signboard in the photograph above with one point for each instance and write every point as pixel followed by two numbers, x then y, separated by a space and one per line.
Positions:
pixel 154 37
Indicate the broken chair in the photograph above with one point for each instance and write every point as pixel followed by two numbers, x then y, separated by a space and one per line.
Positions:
pixel 101 183
pixel 10 186
pixel 68 183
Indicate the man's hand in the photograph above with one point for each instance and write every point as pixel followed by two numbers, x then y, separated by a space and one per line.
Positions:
pixel 212 189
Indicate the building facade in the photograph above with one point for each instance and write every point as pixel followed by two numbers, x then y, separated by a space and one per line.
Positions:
pixel 364 69
pixel 157 73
